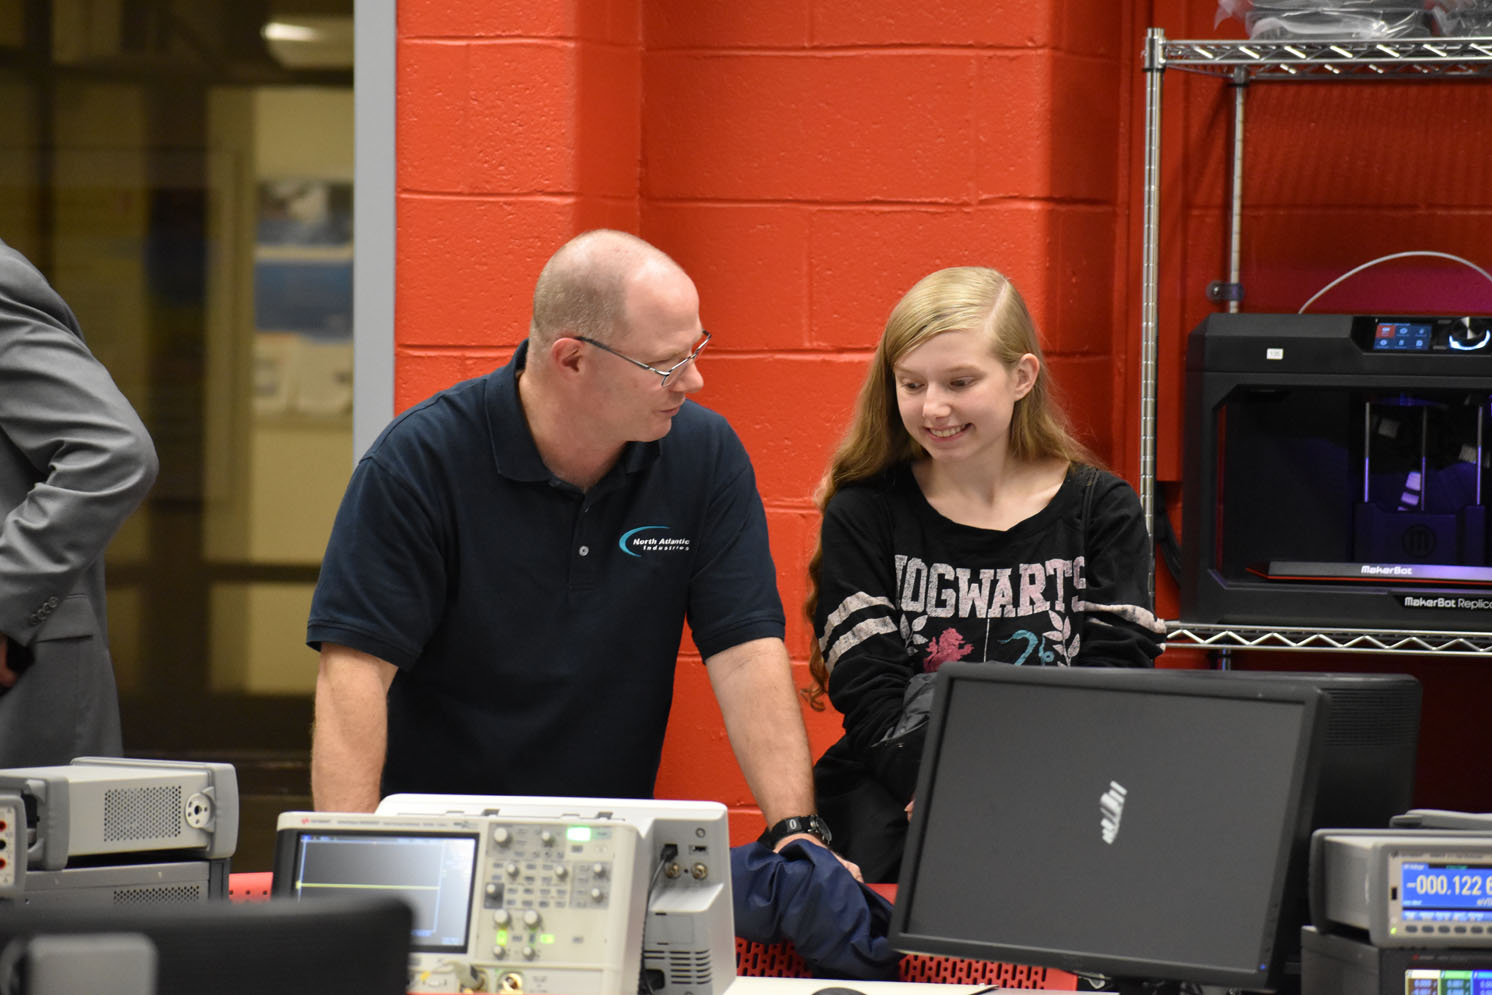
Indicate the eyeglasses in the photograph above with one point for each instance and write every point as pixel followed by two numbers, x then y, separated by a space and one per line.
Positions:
pixel 667 374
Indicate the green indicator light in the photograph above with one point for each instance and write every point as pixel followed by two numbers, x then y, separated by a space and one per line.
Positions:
pixel 578 834
pixel 502 937
pixel 546 937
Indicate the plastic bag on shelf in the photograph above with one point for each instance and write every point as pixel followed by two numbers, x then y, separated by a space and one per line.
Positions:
pixel 1462 18
pixel 1279 20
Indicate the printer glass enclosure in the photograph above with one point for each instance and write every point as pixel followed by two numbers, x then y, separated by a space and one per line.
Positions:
pixel 1336 471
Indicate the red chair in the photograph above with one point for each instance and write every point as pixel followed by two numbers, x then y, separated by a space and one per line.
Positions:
pixel 781 960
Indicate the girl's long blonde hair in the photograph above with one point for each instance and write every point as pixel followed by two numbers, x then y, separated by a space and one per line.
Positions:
pixel 958 298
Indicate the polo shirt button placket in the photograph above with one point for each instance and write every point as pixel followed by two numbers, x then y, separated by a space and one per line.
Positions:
pixel 584 568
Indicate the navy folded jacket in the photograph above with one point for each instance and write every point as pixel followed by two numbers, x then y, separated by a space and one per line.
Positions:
pixel 804 894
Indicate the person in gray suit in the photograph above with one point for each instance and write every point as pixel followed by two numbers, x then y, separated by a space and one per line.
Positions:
pixel 75 460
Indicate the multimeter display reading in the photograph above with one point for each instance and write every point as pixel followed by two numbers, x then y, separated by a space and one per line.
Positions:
pixel 1446 892
pixel 1436 982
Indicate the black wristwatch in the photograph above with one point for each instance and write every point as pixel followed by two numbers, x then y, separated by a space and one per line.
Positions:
pixel 810 824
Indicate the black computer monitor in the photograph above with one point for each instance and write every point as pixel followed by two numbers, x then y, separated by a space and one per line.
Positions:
pixel 1135 824
pixel 1367 766
pixel 335 947
pixel 1372 741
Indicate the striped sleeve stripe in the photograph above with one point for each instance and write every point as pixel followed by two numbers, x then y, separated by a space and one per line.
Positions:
pixel 857 635
pixel 1129 613
pixel 859 601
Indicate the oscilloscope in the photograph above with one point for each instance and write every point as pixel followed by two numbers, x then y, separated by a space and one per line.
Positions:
pixel 688 943
pixel 501 904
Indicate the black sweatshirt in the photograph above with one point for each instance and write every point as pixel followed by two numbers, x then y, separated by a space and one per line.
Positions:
pixel 903 589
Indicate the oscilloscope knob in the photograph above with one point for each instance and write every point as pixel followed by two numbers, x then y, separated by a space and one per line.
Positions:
pixel 501 836
pixel 501 917
pixel 599 870
pixel 529 953
pixel 511 868
pixel 531 918
pixel 546 837
pixel 561 871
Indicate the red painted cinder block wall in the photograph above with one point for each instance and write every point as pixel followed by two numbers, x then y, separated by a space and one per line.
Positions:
pixel 806 161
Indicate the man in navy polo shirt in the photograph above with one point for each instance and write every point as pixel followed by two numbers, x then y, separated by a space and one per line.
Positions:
pixel 504 592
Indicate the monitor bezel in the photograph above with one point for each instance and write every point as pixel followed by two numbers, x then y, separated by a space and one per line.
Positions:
pixel 290 845
pixel 1294 829
pixel 338 946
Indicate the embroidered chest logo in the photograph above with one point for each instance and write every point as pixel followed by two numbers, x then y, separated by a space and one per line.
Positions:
pixel 638 541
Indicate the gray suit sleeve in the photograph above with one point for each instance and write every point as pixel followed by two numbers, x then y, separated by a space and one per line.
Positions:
pixel 75 459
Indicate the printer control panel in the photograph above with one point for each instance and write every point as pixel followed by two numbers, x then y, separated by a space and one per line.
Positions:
pixel 1401 334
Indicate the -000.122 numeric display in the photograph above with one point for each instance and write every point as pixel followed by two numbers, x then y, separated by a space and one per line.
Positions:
pixel 1462 892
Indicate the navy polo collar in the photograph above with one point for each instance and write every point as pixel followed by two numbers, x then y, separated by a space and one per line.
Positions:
pixel 514 451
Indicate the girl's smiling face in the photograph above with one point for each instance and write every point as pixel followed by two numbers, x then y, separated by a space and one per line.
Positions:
pixel 956 399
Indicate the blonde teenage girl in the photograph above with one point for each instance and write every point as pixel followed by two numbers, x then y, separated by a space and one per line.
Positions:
pixel 962 521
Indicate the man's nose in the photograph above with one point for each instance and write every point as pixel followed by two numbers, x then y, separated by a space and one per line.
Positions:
pixel 688 380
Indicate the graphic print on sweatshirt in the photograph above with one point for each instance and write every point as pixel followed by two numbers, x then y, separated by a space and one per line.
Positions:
pixel 944 612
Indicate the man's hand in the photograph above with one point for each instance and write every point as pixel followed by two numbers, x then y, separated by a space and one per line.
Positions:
pixel 850 866
pixel 7 676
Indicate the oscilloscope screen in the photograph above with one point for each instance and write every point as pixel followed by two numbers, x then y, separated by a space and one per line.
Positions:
pixel 433 873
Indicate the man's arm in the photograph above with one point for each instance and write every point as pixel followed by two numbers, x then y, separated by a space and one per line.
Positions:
pixel 753 682
pixel 69 442
pixel 349 740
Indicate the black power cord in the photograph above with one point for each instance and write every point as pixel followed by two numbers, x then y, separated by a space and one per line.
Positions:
pixel 650 982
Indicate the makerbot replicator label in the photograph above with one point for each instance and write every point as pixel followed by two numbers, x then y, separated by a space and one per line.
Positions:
pixel 1454 602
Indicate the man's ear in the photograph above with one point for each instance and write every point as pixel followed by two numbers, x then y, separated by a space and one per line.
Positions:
pixel 1026 369
pixel 565 353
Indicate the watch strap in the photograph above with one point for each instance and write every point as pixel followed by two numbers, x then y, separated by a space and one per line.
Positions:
pixel 812 825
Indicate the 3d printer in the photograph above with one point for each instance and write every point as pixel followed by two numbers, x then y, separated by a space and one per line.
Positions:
pixel 1335 471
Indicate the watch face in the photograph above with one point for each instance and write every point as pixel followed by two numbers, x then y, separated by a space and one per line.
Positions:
pixel 812 825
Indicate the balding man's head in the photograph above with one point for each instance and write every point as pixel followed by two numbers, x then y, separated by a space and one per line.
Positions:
pixel 582 290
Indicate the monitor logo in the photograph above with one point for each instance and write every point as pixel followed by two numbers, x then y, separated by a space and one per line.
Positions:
pixel 1111 804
